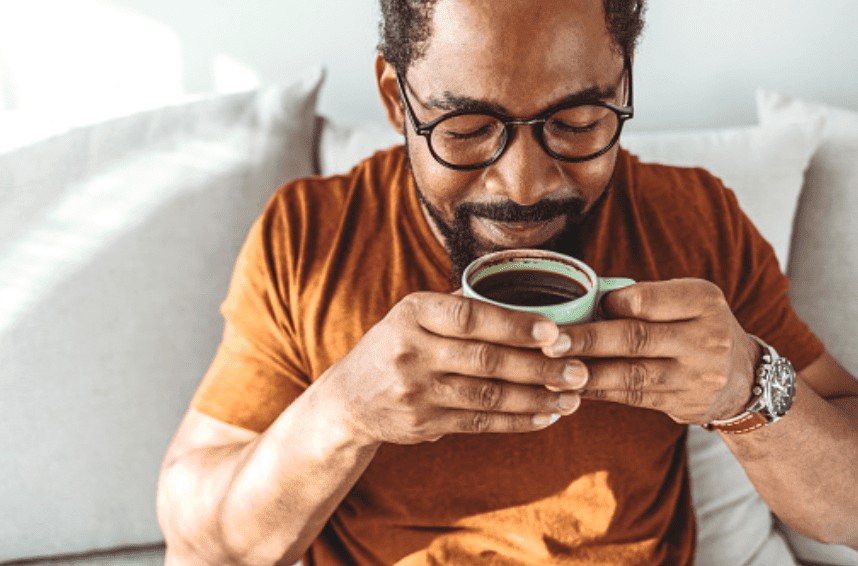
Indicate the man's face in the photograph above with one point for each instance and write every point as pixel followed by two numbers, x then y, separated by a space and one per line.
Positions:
pixel 519 57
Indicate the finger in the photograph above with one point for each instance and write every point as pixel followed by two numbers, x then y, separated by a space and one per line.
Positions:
pixel 477 394
pixel 677 299
pixel 642 382
pixel 517 365
pixel 476 422
pixel 634 398
pixel 460 317
pixel 636 375
pixel 625 338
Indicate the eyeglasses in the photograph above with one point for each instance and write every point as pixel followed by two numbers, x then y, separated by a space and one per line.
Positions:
pixel 466 140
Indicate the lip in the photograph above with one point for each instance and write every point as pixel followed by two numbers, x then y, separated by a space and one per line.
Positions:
pixel 519 234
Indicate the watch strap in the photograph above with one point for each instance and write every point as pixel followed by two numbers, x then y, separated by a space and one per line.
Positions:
pixel 746 422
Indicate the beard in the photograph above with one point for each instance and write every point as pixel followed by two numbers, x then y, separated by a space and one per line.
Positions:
pixel 462 244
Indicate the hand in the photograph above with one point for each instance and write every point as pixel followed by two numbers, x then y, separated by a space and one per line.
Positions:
pixel 440 364
pixel 672 346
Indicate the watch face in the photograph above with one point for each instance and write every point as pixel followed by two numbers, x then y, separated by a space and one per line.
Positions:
pixel 780 388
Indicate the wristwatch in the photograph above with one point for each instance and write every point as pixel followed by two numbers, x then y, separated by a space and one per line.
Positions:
pixel 773 393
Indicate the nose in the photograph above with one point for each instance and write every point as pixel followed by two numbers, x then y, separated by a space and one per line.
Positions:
pixel 524 173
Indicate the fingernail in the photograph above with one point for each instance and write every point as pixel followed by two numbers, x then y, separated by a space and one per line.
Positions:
pixel 567 402
pixel 560 346
pixel 544 330
pixel 575 373
pixel 545 420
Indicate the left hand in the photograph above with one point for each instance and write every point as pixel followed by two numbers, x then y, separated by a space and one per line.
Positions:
pixel 672 346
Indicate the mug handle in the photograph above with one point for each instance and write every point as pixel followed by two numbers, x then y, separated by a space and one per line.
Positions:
pixel 606 285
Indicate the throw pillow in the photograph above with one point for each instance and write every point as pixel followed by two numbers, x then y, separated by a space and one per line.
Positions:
pixel 342 147
pixel 117 242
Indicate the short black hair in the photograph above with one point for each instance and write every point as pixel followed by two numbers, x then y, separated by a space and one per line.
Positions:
pixel 405 28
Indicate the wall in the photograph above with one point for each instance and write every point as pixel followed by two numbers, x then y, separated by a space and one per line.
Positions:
pixel 698 65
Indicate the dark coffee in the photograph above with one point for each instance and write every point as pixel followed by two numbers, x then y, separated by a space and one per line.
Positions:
pixel 529 288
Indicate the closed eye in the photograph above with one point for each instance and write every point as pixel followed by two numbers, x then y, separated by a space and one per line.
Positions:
pixel 559 127
pixel 483 131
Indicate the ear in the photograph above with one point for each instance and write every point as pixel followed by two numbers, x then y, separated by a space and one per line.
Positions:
pixel 385 78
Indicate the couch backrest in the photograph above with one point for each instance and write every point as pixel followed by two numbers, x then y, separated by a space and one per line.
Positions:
pixel 117 243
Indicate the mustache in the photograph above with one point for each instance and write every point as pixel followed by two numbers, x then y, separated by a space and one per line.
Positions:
pixel 509 211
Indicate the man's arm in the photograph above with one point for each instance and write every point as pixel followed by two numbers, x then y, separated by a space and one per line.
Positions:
pixel 675 346
pixel 231 496
pixel 805 466
pixel 437 364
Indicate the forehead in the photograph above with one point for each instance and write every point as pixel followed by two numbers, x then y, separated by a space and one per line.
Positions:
pixel 520 54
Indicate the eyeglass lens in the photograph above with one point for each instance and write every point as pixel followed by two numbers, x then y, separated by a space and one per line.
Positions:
pixel 574 133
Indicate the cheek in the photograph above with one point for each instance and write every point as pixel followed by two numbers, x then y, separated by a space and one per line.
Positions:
pixel 591 178
pixel 445 188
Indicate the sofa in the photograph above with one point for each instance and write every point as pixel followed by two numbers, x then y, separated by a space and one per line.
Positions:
pixel 117 240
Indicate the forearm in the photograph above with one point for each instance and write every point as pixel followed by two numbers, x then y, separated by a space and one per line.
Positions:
pixel 804 465
pixel 265 502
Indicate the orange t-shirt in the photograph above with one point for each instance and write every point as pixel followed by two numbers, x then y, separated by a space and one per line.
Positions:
pixel 607 485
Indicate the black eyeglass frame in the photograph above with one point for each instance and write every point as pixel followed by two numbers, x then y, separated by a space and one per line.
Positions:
pixel 623 112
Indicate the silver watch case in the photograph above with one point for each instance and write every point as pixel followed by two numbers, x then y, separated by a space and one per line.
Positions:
pixel 775 386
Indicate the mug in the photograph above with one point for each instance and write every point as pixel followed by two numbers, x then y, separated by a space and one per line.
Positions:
pixel 559 287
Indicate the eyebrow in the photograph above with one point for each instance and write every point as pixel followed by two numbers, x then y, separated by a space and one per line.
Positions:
pixel 453 102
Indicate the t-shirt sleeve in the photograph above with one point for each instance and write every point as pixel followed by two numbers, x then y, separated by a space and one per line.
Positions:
pixel 757 291
pixel 257 370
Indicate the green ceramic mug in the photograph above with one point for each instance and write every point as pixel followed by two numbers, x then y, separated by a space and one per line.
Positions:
pixel 552 284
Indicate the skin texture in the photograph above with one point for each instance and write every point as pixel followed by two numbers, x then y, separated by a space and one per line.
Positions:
pixel 228 495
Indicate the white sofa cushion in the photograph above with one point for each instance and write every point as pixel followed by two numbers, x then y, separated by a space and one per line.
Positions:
pixel 342 147
pixel 824 265
pixel 117 242
pixel 765 167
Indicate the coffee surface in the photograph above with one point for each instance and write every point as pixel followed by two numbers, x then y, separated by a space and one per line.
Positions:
pixel 529 288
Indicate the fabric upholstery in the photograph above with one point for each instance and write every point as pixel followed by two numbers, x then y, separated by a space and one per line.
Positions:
pixel 116 246
pixel 824 264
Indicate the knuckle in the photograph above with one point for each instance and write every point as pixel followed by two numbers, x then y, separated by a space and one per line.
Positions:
pixel 486 358
pixel 477 422
pixel 402 353
pixel 637 337
pixel 635 298
pixel 712 294
pixel 489 395
pixel 463 316
pixel 585 342
pixel 600 394
pixel 720 343
pixel 633 397
pixel 716 380
pixel 408 306
pixel 636 375
pixel 657 400
pixel 658 376
pixel 400 391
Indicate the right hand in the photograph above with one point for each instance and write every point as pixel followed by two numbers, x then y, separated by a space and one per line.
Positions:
pixel 440 364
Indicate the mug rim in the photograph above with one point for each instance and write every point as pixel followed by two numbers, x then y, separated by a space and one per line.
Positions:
pixel 525 254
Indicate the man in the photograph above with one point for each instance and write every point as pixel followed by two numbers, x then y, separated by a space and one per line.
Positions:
pixel 360 410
